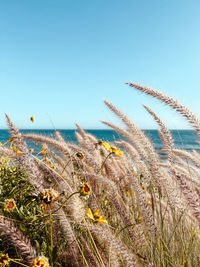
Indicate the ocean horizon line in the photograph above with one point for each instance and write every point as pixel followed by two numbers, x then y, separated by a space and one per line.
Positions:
pixel 89 129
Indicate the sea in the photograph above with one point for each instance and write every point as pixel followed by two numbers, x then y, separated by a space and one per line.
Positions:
pixel 184 139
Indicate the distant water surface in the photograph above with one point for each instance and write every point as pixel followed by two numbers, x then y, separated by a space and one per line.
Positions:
pixel 185 139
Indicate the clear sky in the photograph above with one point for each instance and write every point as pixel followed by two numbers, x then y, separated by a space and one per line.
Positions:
pixel 60 59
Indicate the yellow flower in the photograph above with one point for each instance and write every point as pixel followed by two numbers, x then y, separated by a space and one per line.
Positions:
pixel 19 153
pixel 96 217
pixel 85 189
pixel 40 262
pixel 106 145
pixel 48 162
pixel 44 149
pixel 0 144
pixel 10 147
pixel 112 149
pixel 9 205
pixel 4 259
pixel 118 152
pixel 10 140
pixel 32 119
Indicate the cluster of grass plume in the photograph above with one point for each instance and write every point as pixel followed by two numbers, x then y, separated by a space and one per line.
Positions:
pixel 93 205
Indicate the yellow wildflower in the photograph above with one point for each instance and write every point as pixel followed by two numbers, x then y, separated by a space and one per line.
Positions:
pixel 10 140
pixel 106 145
pixel 32 119
pixel 40 262
pixel 85 189
pixel 0 144
pixel 9 205
pixel 4 259
pixel 19 153
pixel 48 162
pixel 96 217
pixel 14 147
pixel 118 152
pixel 44 149
pixel 112 149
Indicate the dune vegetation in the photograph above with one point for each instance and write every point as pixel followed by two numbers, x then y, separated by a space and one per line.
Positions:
pixel 100 204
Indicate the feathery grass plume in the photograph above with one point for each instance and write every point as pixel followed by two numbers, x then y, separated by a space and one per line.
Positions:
pixel 79 138
pixel 119 165
pixel 110 240
pixel 184 111
pixel 90 254
pixel 86 144
pixel 35 175
pixel 196 155
pixel 136 237
pixel 60 146
pixel 54 176
pixel 190 174
pixel 132 151
pixel 61 162
pixel 153 162
pixel 187 155
pixel 130 137
pixel 90 161
pixel 59 137
pixel 190 195
pixel 48 173
pixel 134 130
pixel 75 148
pixel 173 192
pixel 5 152
pixel 25 161
pixel 113 258
pixel 75 205
pixel 141 198
pixel 122 164
pixel 168 145
pixel 17 137
pixel 76 209
pixel 101 179
pixel 17 238
pixel 92 138
pixel 88 154
pixel 190 169
pixel 194 201
pixel 72 243
pixel 101 251
pixel 140 164
pixel 111 171
pixel 166 135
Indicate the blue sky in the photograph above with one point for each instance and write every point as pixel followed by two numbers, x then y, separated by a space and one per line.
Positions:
pixel 60 59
